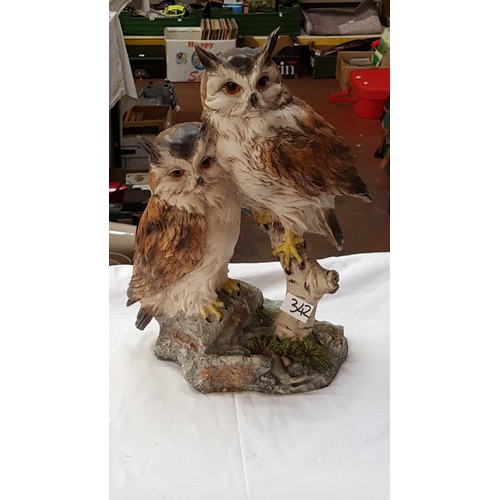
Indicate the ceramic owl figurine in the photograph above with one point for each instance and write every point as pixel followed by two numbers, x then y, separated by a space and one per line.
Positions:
pixel 287 162
pixel 187 234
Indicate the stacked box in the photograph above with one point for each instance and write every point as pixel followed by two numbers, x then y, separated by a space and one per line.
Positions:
pixel 343 69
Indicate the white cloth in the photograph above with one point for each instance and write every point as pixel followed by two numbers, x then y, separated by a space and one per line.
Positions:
pixel 169 441
pixel 117 5
pixel 121 79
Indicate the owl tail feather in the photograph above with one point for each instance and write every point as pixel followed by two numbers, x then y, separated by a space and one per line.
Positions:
pixel 333 232
pixel 144 317
pixel 360 190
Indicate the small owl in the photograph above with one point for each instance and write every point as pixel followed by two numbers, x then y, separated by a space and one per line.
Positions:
pixel 285 159
pixel 187 234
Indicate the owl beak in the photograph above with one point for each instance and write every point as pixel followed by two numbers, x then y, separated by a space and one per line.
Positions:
pixel 253 100
pixel 199 181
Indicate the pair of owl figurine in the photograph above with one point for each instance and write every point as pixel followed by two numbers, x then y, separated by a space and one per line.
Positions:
pixel 258 147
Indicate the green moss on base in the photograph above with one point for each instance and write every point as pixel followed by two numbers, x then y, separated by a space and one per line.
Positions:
pixel 306 351
pixel 266 315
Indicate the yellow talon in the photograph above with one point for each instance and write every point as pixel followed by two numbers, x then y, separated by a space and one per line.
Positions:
pixel 213 308
pixel 261 218
pixel 231 286
pixel 289 248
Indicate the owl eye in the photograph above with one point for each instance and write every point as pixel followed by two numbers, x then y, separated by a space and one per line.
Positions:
pixel 262 83
pixel 177 174
pixel 206 162
pixel 231 88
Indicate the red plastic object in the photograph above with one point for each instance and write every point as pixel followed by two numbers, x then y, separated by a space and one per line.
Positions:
pixel 116 190
pixel 369 91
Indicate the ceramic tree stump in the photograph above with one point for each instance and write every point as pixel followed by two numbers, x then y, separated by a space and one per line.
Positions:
pixel 242 351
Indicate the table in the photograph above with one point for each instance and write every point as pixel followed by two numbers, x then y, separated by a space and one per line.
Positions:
pixel 167 441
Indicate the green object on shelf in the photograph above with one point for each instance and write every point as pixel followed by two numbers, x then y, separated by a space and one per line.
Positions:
pixel 141 26
pixel 253 24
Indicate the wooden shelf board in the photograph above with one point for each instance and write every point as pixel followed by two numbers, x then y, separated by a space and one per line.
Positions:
pixel 303 39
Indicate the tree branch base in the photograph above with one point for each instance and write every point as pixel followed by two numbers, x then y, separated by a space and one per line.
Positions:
pixel 242 352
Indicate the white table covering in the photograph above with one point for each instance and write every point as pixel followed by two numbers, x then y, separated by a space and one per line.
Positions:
pixel 167 441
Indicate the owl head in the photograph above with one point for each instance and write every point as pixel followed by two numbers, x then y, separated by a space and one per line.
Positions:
pixel 183 168
pixel 242 81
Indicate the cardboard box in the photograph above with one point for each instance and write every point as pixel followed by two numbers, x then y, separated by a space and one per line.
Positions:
pixel 148 122
pixel 286 54
pixel 183 64
pixel 321 66
pixel 343 69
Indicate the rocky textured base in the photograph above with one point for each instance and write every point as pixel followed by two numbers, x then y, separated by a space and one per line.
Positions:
pixel 241 353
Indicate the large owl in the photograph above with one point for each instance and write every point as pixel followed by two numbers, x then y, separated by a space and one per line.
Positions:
pixel 187 234
pixel 285 159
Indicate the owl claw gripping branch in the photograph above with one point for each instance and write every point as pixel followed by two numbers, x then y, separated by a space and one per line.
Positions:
pixel 289 249
pixel 285 160
pixel 212 309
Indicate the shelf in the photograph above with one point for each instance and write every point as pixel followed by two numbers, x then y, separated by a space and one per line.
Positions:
pixel 332 39
pixel 144 40
pixel 303 39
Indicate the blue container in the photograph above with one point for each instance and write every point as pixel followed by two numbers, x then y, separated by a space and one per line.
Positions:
pixel 237 8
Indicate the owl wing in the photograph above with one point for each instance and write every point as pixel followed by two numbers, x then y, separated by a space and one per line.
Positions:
pixel 312 157
pixel 169 244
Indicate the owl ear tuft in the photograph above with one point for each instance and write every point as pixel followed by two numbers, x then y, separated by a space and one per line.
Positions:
pixel 150 149
pixel 268 47
pixel 209 60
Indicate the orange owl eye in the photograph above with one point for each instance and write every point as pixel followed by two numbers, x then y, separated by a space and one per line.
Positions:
pixel 262 83
pixel 231 88
pixel 206 162
pixel 177 174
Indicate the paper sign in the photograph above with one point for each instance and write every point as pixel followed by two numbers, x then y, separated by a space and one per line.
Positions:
pixel 297 308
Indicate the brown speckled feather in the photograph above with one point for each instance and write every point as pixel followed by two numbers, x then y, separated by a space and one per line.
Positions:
pixel 163 236
pixel 313 158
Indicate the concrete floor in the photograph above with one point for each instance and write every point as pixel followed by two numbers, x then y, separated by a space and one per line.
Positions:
pixel 365 225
